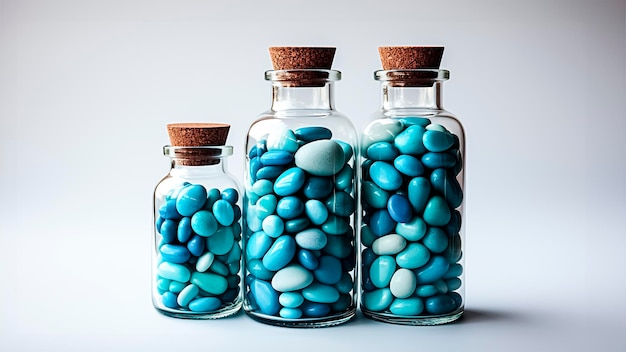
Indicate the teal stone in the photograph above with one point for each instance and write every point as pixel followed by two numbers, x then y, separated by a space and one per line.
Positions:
pixel 230 195
pixel 289 182
pixel 383 130
pixel 212 196
pixel 313 133
pixel 163 284
pixel 339 247
pixel 204 262
pixel 320 158
pixel 296 225
pixel 307 259
pixel 289 207
pixel 348 151
pixel 377 300
pixel 436 127
pixel 410 140
pixel 384 151
pixel 438 160
pixel 403 283
pixel 312 239
pixel 413 230
pixel 290 313
pixel 389 244
pixel 167 210
pixel 340 203
pixel 265 297
pixel 211 283
pixel 344 179
pixel 437 141
pixel 282 139
pixel 184 231
pixel 367 236
pixel 415 255
pixel 191 199
pixel 187 294
pixel 407 306
pixel 453 284
pixel 342 304
pixel 317 187
pixel 177 286
pixel 320 293
pixel 169 300
pixel 273 226
pixel 426 290
pixel 381 223
pixel 253 167
pixel 399 208
pixel 223 212
pixel 316 211
pixel 173 271
pixel 258 270
pixel 204 223
pixel 222 241
pixel 419 193
pixel 440 304
pixel 453 227
pixel 280 253
pixel 444 183
pixel 437 212
pixel 434 270
pixel 454 271
pixel 385 176
pixel 374 196
pixel 382 271
pixel 415 120
pixel 336 225
pixel 314 310
pixel 204 304
pixel 266 206
pixel 253 222
pixel 277 157
pixel 262 187
pixel 329 270
pixel 196 245
pixel 291 278
pixel 454 252
pixel 436 240
pixel 290 299
pixel 269 172
pixel 258 149
pixel 408 165
pixel 174 253
pixel 345 283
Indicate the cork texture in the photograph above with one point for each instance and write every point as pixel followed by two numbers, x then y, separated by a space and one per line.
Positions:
pixel 410 57
pixel 302 58
pixel 197 135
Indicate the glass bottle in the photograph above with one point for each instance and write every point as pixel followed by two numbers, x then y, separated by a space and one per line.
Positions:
pixel 299 204
pixel 412 189
pixel 196 252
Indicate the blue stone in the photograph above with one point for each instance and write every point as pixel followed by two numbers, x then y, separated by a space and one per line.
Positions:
pixel 444 183
pixel 258 149
pixel 340 203
pixel 415 120
pixel 277 157
pixel 385 176
pixel 384 151
pixel 296 225
pixel 436 240
pixel 440 304
pixel 436 160
pixel 329 270
pixel 191 199
pixel 419 193
pixel 265 297
pixel 409 141
pixel 314 310
pixel 434 270
pixel 204 304
pixel 399 208
pixel 289 182
pixel 167 210
pixel 307 259
pixel 184 229
pixel 437 141
pixel 289 207
pixel 377 300
pixel 223 212
pixel 196 245
pixel 174 253
pixel 408 165
pixel 381 223
pixel 170 300
pixel 317 187
pixel 280 253
pixel 230 195
pixel 374 195
pixel 257 245
pixel 269 172
pixel 313 133
pixel 168 231
pixel 258 270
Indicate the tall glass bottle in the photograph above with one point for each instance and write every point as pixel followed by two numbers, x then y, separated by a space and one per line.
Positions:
pixel 412 195
pixel 299 198
pixel 197 234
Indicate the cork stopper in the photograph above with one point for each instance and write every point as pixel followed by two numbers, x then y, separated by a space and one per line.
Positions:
pixel 197 135
pixel 408 58
pixel 302 58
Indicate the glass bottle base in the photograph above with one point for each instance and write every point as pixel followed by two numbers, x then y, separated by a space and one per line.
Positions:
pixel 322 322
pixel 221 313
pixel 427 320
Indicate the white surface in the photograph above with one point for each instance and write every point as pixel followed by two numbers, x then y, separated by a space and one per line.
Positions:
pixel 86 88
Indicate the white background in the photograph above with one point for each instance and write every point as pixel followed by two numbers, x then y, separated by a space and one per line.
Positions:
pixel 87 87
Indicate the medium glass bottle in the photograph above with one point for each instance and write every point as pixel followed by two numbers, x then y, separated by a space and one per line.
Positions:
pixel 299 199
pixel 196 252
pixel 412 196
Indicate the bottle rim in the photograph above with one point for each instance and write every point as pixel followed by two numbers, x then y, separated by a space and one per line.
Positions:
pixel 422 74
pixel 198 152
pixel 301 75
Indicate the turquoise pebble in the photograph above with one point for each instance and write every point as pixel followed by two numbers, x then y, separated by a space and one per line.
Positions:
pixel 253 222
pixel 437 141
pixel 208 282
pixel 347 150
pixel 336 225
pixel 291 278
pixel 413 256
pixel 408 165
pixel 315 310
pixel 204 262
pixel 410 140
pixel 339 246
pixel 382 151
pixel 389 244
pixel 441 286
pixel 169 300
pixel 320 158
pixel 316 211
pixel 374 195
pixel 222 241
pixel 167 210
pixel 343 180
pixel 436 240
pixel 290 313
pixel 440 304
pixel 313 133
pixel 340 203
pixel 269 172
pixel 280 253
pixel 434 270
pixel 399 208
pixel 265 297
pixel 219 268
pixel 426 290
pixel 289 182
pixel 253 167
pixel 172 271
pixel 311 239
pixel 277 157
pixel 203 223
pixel 403 283
pixel 289 207
pixel 320 293
pixel 367 236
pixel 196 245
pixel 223 212
pixel 262 187
pixel 367 257
pixel 444 183
pixel 169 230
pixel 453 284
pixel 230 195
pixel 257 245
pixel 184 229
pixel 329 270
pixel 407 306
pixel 413 230
pixel 265 206
pixel 256 268
pixel 204 304
pixel 382 271
pixel 345 283
pixel 177 286
pixel 290 299
pixel 377 300
pixel 282 139
pixel 191 199
pixel 419 192
pixel 317 187
pixel 381 223
pixel 296 225
pixel 434 160
pixel 273 226
pixel 258 149
pixel 454 271
pixel 383 130
pixel 415 120
pixel 174 253
pixel 307 259
pixel 187 294
pixel 163 284
pixel 385 176
pixel 436 127
pixel 437 212
pixel 212 196
pixel 158 223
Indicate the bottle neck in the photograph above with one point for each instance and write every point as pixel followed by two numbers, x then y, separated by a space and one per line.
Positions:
pixel 289 97
pixel 411 97
pixel 181 167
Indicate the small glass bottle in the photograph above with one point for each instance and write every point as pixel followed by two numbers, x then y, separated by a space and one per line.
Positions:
pixel 299 198
pixel 412 196
pixel 196 252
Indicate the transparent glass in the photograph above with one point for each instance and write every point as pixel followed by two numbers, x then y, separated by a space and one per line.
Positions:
pixel 412 204
pixel 299 204
pixel 196 242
